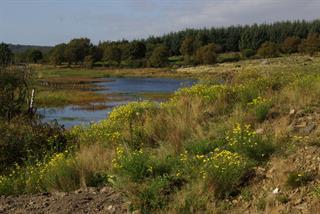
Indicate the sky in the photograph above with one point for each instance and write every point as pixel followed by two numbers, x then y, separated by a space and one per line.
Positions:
pixel 49 22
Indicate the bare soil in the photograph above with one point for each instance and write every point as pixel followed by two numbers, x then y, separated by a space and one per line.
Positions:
pixel 91 200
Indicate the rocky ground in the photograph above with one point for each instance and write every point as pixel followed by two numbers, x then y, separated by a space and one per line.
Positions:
pixel 91 200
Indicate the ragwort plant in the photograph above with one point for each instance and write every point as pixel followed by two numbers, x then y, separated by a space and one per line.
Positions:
pixel 125 124
pixel 244 140
pixel 57 174
pixel 260 108
pixel 224 169
pixel 134 164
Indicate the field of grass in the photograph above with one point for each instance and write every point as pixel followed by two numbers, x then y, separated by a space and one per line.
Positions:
pixel 244 139
pixel 60 98
pixel 46 72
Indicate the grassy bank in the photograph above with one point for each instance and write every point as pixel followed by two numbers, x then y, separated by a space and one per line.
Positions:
pixel 245 138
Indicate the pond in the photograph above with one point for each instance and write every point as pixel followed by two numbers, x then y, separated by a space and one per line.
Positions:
pixel 119 91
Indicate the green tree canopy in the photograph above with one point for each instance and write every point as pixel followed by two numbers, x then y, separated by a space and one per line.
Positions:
pixel 13 91
pixel 311 44
pixel 35 56
pixel 291 44
pixel 5 55
pixel 77 49
pixel 188 46
pixel 137 50
pixel 159 56
pixel 57 55
pixel 207 54
pixel 112 53
pixel 268 49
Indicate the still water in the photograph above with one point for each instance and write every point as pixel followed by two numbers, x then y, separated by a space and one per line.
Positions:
pixel 119 91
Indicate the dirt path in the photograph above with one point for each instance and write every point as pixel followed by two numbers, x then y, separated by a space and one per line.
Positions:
pixel 91 200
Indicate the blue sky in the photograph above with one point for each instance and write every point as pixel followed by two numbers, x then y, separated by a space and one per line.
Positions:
pixel 48 22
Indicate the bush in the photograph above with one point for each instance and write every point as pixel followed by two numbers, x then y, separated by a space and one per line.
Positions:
pixel 245 141
pixel 311 44
pixel 260 108
pixel 206 54
pixel 248 53
pixel 124 124
pixel 21 141
pixel 133 164
pixel 60 173
pixel 154 195
pixel 202 147
pixel 297 179
pixel 5 55
pixel 291 44
pixel 88 61
pixel 268 50
pixel 57 174
pixel 14 83
pixel 159 57
pixel 208 93
pixel 246 93
pixel 225 170
pixel 228 57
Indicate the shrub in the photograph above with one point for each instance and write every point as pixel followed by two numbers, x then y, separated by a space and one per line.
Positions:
pixel 159 57
pixel 228 57
pixel 124 124
pixel 134 164
pixel 260 108
pixel 57 174
pixel 225 170
pixel 192 201
pixel 21 141
pixel 297 179
pixel 268 50
pixel 202 147
pixel 248 53
pixel 88 61
pixel 105 132
pixel 155 194
pixel 291 44
pixel 60 173
pixel 206 92
pixel 133 111
pixel 245 141
pixel 98 179
pixel 14 83
pixel 246 93
pixel 5 55
pixel 21 180
pixel 311 44
pixel 206 54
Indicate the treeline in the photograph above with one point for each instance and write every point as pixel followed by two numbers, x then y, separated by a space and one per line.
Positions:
pixel 202 46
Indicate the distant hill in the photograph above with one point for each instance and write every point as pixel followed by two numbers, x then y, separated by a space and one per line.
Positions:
pixel 21 48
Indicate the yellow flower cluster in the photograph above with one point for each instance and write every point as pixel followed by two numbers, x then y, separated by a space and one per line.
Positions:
pixel 207 92
pixel 221 162
pixel 127 113
pixel 2 180
pixel 258 101
pixel 104 131
pixel 116 161
pixel 32 177
pixel 242 135
pixel 53 163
